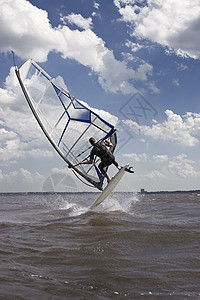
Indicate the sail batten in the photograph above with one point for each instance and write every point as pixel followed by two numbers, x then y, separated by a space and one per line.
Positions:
pixel 66 122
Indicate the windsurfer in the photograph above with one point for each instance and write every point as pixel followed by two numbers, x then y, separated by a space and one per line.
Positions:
pixel 107 158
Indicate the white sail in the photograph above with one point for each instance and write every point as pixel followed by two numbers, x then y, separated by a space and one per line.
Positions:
pixel 66 122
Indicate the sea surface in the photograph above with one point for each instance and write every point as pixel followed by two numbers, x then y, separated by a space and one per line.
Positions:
pixel 132 247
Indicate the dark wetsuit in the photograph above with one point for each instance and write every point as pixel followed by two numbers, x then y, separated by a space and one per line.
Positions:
pixel 107 158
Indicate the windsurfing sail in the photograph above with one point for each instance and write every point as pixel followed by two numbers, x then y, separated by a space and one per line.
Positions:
pixel 67 123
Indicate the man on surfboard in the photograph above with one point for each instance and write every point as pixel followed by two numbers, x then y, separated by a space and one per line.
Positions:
pixel 107 158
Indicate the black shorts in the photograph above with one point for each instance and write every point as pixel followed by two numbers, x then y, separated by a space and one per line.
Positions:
pixel 106 161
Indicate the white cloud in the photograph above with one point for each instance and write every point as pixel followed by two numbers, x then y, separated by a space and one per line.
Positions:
pixel 171 23
pixel 160 158
pixel 152 87
pixel 25 29
pixel 175 82
pixel 20 180
pixel 9 145
pixel 13 146
pixel 155 175
pixel 128 13
pixel 184 130
pixel 112 79
pixel 182 167
pixel 133 46
pixel 174 168
pixel 181 67
pixel 136 157
pixel 78 20
pixel 20 135
pixel 143 70
pixel 60 180
pixel 171 168
pixel 7 96
pixel 96 5
pixel 31 35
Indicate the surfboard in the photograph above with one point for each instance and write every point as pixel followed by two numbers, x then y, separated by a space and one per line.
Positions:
pixel 109 188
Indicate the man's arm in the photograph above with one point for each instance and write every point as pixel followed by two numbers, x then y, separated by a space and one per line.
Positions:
pixel 108 143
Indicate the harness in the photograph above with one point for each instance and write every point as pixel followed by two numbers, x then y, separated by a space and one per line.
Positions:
pixel 101 151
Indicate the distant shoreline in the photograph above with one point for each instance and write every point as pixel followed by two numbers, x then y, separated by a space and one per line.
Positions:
pixel 170 192
pixel 142 191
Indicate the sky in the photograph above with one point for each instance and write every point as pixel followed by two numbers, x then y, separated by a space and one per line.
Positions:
pixel 139 61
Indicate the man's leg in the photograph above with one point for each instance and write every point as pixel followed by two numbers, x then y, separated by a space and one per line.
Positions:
pixel 103 165
pixel 116 165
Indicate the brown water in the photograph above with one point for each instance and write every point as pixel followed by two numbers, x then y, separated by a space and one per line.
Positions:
pixel 132 247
